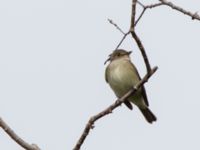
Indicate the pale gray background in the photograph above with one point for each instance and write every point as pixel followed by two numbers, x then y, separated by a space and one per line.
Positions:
pixel 52 74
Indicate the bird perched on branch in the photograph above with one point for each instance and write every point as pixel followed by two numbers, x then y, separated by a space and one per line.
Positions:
pixel 122 75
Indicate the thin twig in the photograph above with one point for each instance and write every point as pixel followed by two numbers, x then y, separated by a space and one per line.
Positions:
pixel 142 13
pixel 109 109
pixel 118 28
pixel 132 18
pixel 142 5
pixel 145 8
pixel 16 138
pixel 121 41
pixel 188 13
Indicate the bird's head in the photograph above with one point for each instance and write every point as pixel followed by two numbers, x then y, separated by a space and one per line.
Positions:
pixel 116 54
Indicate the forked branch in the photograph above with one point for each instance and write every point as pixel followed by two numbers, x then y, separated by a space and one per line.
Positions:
pixel 134 22
pixel 108 110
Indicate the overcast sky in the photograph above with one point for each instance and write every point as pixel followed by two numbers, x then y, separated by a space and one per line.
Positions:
pixel 52 74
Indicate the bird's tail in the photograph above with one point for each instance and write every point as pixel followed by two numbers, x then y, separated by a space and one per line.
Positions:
pixel 149 116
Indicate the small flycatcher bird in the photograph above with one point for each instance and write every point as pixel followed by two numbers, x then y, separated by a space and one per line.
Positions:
pixel 122 75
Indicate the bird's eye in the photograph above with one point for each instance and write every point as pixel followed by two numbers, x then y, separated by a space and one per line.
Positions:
pixel 118 55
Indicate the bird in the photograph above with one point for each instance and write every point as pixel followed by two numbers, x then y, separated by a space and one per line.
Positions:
pixel 122 75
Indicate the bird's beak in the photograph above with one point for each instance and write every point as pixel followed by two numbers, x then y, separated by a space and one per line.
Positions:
pixel 107 60
pixel 129 52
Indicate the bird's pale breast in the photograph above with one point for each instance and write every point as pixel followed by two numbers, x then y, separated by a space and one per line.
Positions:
pixel 121 76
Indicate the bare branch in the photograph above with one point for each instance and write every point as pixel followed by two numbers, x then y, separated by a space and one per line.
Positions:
pixel 109 109
pixel 153 5
pixel 150 6
pixel 133 13
pixel 16 138
pixel 142 50
pixel 170 4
